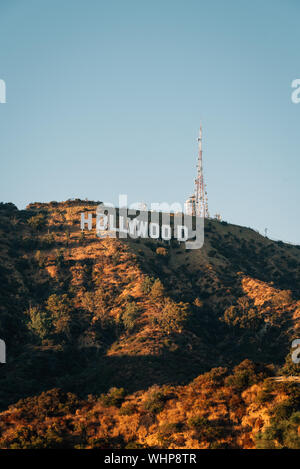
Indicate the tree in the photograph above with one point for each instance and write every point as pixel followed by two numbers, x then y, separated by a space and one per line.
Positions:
pixel 59 259
pixel 37 222
pixel 174 316
pixel 147 284
pixel 157 290
pixel 95 304
pixel 40 323
pixel 60 307
pixel 243 315
pixel 130 316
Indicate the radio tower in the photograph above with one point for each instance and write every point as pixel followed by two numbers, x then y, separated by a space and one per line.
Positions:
pixel 201 201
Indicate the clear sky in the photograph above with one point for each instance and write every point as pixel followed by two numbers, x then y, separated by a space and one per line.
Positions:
pixel 106 97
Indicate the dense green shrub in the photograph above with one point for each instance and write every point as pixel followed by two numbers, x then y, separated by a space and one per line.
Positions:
pixel 174 316
pixel 40 322
pixel 114 397
pixel 246 374
pixel 59 308
pixel 157 290
pixel 27 437
pixel 130 316
pixel 54 402
pixel 37 222
pixel 155 401
pixel 244 315
pixel 283 431
pixel 128 408
pixel 146 285
pixel 282 298
pixel 206 429
pixel 198 422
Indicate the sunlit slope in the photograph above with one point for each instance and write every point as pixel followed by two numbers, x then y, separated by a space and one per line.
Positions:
pixel 84 313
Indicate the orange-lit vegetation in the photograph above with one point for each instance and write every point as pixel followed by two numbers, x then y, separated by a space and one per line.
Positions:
pixel 138 343
pixel 219 409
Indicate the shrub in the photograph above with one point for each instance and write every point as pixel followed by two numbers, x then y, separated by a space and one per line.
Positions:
pixel 157 290
pixel 134 445
pixel 39 258
pixel 282 411
pixel 40 323
pixel 60 307
pixel 155 401
pixel 174 316
pixel 198 303
pixel 49 239
pixel 130 316
pixel 198 422
pixel 264 396
pixel 146 285
pixel 283 431
pixel 161 252
pixel 166 432
pixel 168 429
pixel 246 374
pixel 290 368
pixel 114 397
pixel 128 408
pixel 59 258
pixel 115 257
pixel 37 222
pixel 206 429
pixel 282 298
pixel 243 315
pixel 27 437
pixel 54 402
pixel 96 304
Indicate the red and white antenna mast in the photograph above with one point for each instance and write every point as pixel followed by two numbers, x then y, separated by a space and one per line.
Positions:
pixel 201 201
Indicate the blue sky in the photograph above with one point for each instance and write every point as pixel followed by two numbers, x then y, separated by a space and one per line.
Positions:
pixel 107 97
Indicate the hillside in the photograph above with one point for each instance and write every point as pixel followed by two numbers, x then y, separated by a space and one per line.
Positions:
pixel 84 315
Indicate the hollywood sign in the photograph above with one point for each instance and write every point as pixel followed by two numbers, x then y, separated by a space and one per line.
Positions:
pixel 124 222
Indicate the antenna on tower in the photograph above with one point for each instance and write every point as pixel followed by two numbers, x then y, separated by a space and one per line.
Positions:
pixel 201 199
